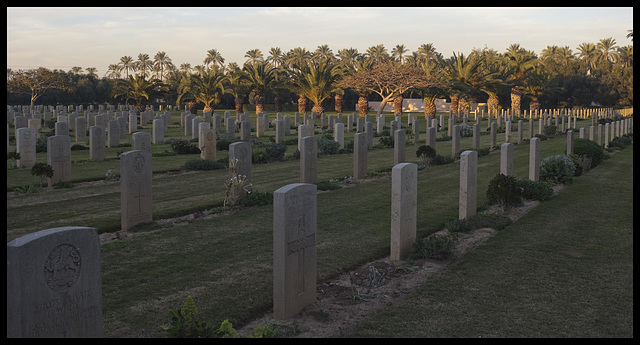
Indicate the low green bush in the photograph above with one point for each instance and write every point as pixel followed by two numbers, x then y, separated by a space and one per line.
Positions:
pixel 459 225
pixel 435 246
pixel 504 191
pixel 590 149
pixel 183 147
pixel 535 190
pixel 557 169
pixel 256 199
pixel 490 220
pixel 328 146
pixel 328 185
pixel 202 164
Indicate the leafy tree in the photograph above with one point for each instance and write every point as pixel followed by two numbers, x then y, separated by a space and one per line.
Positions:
pixel 315 80
pixel 207 88
pixel 139 89
pixel 35 82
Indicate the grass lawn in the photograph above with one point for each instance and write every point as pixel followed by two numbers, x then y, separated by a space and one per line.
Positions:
pixel 225 262
pixel 563 270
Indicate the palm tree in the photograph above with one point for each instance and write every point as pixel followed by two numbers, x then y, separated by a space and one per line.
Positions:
pixel 206 88
pixel 348 58
pixel 626 56
pixel 213 56
pixel 113 71
pixel 521 62
pixel 144 64
pixel 92 71
pixel 76 70
pixel 276 57
pixel 427 52
pixel 461 72
pixel 254 55
pixel 430 94
pixel 378 53
pixel 589 54
pixel 297 57
pixel 260 76
pixel 398 51
pixel 137 88
pixel 162 61
pixel 237 86
pixel 126 63
pixel 315 80
pixel 323 52
pixel 608 50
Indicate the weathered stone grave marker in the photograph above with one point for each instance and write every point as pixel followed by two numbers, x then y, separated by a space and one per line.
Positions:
pixel 404 201
pixel 135 188
pixel 294 248
pixel 54 284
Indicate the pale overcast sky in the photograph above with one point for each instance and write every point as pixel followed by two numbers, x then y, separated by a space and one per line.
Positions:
pixel 63 37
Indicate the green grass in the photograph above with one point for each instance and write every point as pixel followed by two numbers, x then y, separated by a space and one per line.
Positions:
pixel 225 262
pixel 563 270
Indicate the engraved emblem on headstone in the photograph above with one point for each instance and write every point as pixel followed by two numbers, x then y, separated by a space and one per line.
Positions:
pixel 62 267
pixel 138 166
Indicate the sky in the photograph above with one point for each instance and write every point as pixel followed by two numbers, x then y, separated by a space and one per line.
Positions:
pixel 63 37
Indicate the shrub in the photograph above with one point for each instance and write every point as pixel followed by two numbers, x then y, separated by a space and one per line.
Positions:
pixel 579 164
pixel 590 149
pixel 77 147
pixel 184 323
pixel 504 191
pixel 328 185
pixel 328 146
pixel 259 157
pixel 256 199
pixel 275 152
pixel 387 141
pixel 465 130
pixel 459 225
pixel 43 171
pixel 426 152
pixel 535 190
pixel 490 220
pixel 223 144
pixel 620 142
pixel 435 246
pixel 549 131
pixel 557 169
pixel 183 147
pixel 440 160
pixel 202 164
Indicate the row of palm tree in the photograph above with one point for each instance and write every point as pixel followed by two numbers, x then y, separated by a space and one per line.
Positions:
pixel 315 76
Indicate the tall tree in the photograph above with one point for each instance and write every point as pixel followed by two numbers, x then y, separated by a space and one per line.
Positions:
pixel 214 57
pixel 254 56
pixel 126 64
pixel 162 61
pixel 137 88
pixel 521 62
pixel 315 80
pixel 35 82
pixel 398 53
pixel 207 88
pixel 260 76
pixel 144 64
pixel 589 55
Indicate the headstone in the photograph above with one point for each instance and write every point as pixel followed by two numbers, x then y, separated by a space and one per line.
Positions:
pixel 404 201
pixel 141 141
pixel 359 156
pixel 81 129
pixel 62 128
pixel 399 144
pixel 59 157
pixel 506 159
pixel 304 131
pixel 534 159
pixel 245 131
pixel 208 146
pixel 26 147
pixel 97 142
pixel 280 131
pixel 455 140
pixel 476 136
pixel 35 124
pixel 135 188
pixel 338 133
pixel 570 142
pixel 309 160
pixel 493 135
pixel 242 152
pixel 54 284
pixel 230 127
pixel 431 137
pixel 157 129
pixel 294 249
pixel 113 134
pixel 195 122
pixel 415 126
pixel 468 184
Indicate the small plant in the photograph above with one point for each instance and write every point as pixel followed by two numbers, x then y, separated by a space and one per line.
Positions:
pixel 237 185
pixel 184 323
pixel 110 176
pixel 12 157
pixel 436 246
pixel 328 146
pixel 328 185
pixel 549 131
pixel 557 169
pixel 63 184
pixel 202 165
pixel 504 191
pixel 427 153
pixel 459 225
pixel 43 171
pixel 256 199
pixel 490 220
pixel 184 147
pixel 387 141
pixel 28 189
pixel 535 190
pixel 465 130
